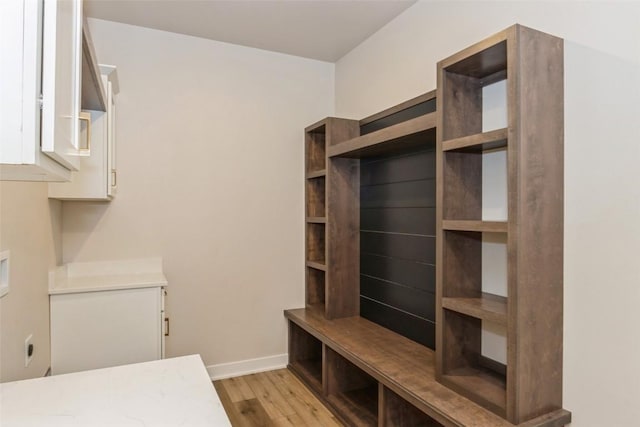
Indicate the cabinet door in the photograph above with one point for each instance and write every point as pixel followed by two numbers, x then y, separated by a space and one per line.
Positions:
pixel 94 330
pixel 20 76
pixel 61 68
pixel 111 141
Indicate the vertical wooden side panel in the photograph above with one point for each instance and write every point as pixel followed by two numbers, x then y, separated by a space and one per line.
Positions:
pixel 439 213
pixel 513 149
pixel 343 225
pixel 540 184
pixel 383 411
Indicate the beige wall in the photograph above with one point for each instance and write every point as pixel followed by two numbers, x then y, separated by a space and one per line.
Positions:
pixel 210 177
pixel 29 226
pixel 602 195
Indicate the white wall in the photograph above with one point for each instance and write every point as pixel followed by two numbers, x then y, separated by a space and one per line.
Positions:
pixel 29 229
pixel 602 149
pixel 210 176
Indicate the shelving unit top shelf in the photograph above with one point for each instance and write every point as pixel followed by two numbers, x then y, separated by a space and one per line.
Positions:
pixel 413 133
pixel 482 59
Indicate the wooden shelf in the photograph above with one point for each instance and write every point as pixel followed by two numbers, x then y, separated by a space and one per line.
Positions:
pixel 317 174
pixel 481 60
pixel 478 226
pixel 316 219
pixel 481 385
pixel 492 308
pixel 316 265
pixel 410 134
pixel 478 142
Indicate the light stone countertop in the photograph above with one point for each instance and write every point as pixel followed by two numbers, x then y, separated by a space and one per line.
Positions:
pixel 106 276
pixel 170 392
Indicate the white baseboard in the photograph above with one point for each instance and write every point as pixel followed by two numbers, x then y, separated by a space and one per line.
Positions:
pixel 245 367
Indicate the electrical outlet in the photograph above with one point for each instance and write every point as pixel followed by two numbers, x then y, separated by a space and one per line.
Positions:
pixel 28 350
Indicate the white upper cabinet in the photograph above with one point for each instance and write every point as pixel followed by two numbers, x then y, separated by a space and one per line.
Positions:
pixel 41 63
pixel 61 68
pixel 96 179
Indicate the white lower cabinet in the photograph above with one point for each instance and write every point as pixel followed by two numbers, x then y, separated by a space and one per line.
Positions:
pixel 91 330
pixel 107 313
pixel 96 179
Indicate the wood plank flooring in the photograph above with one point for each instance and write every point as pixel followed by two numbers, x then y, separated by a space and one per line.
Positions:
pixel 274 398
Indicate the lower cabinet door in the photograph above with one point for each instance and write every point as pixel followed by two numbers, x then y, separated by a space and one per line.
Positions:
pixel 92 330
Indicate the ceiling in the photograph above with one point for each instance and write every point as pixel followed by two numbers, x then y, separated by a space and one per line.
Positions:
pixel 319 29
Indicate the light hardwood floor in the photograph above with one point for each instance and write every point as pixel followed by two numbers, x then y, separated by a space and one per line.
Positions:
pixel 274 398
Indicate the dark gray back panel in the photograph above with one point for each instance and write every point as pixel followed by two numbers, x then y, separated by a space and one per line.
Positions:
pixel 397 243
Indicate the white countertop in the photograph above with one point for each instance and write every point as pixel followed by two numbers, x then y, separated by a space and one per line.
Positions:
pixel 107 275
pixel 170 392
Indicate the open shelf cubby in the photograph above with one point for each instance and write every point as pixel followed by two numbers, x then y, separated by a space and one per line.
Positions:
pixel 305 356
pixel 351 391
pixel 397 412
pixel 316 154
pixel 315 288
pixel 466 370
pixel 316 197
pixel 316 248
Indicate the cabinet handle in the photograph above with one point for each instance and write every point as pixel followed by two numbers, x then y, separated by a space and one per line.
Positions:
pixel 114 178
pixel 86 117
pixel 166 320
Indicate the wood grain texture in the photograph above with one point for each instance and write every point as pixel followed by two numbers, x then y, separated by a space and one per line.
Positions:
pixel 397 412
pixel 279 400
pixel 532 62
pixel 315 151
pixel 479 226
pixel 536 249
pixel 316 248
pixel 478 142
pixel 397 108
pixel 315 197
pixel 411 134
pixel 482 59
pixel 400 364
pixel 315 287
pixel 316 265
pixel 316 174
pixel 316 219
pixel 343 223
pixel 351 392
pixel 306 356
pixel 492 308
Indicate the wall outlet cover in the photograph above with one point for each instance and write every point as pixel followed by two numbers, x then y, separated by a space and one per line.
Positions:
pixel 28 353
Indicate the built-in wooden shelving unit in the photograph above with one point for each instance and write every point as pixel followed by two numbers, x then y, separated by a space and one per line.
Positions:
pixel 371 376
pixel 531 384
